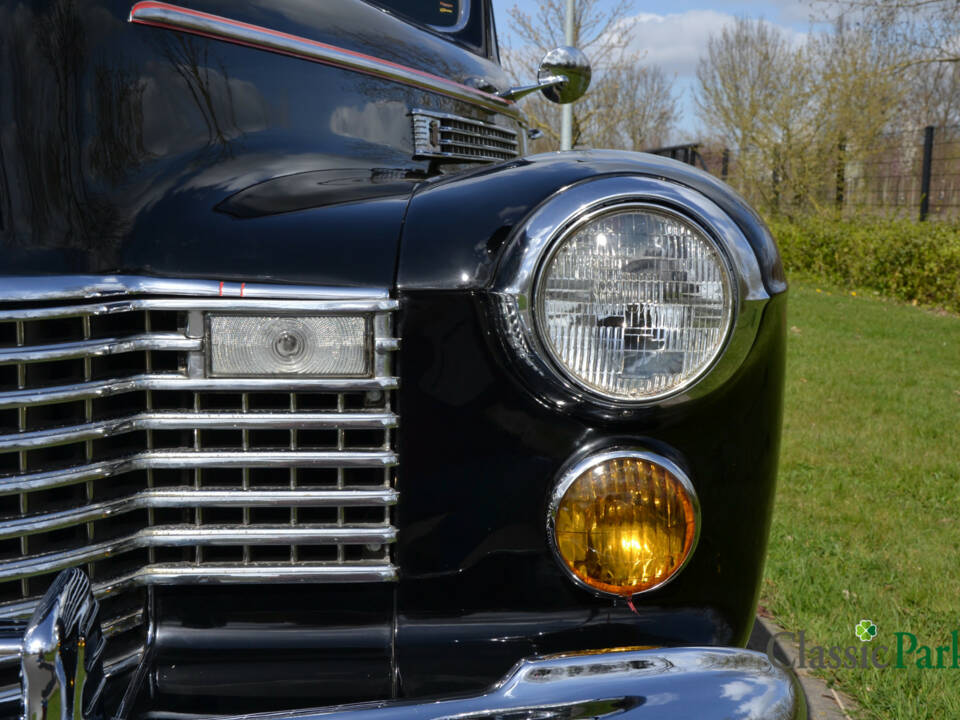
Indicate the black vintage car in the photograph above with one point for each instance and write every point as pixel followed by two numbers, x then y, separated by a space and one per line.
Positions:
pixel 317 391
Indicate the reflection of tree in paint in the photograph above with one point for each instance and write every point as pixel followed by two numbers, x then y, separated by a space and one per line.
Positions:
pixel 118 104
pixel 47 56
pixel 189 58
pixel 60 39
pixel 51 198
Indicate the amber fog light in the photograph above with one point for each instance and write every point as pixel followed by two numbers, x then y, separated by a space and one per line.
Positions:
pixel 624 522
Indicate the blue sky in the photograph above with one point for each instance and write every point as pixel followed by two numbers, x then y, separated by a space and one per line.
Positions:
pixel 673 33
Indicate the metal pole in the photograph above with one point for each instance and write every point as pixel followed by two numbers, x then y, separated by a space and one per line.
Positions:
pixel 841 179
pixel 925 171
pixel 566 121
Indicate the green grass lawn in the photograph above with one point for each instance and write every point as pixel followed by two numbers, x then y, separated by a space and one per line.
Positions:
pixel 867 519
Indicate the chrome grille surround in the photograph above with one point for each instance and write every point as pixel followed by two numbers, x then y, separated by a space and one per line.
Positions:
pixel 119 455
pixel 440 135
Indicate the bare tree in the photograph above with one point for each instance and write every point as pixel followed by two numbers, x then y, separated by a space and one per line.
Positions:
pixel 928 29
pixel 629 105
pixel 740 80
pixel 798 115
pixel 932 95
pixel 754 92
pixel 632 107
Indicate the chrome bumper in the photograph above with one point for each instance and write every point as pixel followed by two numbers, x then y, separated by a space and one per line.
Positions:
pixel 666 684
pixel 60 656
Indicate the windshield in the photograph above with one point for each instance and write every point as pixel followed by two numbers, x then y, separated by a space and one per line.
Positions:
pixel 446 15
pixel 451 17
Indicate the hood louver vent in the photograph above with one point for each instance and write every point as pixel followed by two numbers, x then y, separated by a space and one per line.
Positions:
pixel 438 135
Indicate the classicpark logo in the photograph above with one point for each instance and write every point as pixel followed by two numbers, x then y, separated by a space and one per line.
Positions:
pixel 865 630
pixel 908 651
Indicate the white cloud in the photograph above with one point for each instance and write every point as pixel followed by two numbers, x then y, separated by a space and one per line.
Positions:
pixel 781 11
pixel 676 41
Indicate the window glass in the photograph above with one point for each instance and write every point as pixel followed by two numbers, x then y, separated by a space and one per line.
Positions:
pixel 446 15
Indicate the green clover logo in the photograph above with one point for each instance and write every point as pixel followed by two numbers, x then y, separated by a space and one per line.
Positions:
pixel 865 630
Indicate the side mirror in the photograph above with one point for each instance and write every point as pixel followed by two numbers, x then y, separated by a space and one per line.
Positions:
pixel 563 76
pixel 569 64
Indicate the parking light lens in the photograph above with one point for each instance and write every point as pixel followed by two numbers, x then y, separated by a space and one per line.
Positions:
pixel 305 346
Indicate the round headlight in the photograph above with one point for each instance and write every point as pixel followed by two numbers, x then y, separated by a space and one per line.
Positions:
pixel 634 303
pixel 624 522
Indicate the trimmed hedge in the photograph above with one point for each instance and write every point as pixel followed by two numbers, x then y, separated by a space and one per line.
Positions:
pixel 912 261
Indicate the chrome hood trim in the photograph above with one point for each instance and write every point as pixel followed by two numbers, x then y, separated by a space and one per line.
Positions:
pixel 174 17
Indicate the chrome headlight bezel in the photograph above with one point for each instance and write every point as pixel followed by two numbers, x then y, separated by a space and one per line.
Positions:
pixel 533 243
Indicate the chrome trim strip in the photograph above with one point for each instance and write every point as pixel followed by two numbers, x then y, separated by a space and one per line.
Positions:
pixel 106 388
pixel 226 304
pixel 100 348
pixel 164 459
pixel 199 421
pixel 574 470
pixel 173 17
pixel 122 623
pixel 221 574
pixel 259 458
pixel 189 535
pixel 192 535
pixel 188 497
pixel 514 288
pixel 26 288
pixel 122 663
pixel 465 144
pixel 9 646
pixel 188 574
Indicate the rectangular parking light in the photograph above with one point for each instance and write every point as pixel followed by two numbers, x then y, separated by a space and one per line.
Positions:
pixel 278 345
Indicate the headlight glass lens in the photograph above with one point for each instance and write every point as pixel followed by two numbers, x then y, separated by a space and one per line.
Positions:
pixel 625 525
pixel 635 304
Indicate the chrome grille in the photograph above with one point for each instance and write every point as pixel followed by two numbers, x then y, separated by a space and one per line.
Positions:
pixel 119 455
pixel 439 135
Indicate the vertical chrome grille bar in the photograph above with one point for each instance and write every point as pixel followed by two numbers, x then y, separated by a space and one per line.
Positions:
pixel 88 445
pixel 340 445
pixel 22 455
pixel 197 481
pixel 294 443
pixel 245 473
pixel 148 366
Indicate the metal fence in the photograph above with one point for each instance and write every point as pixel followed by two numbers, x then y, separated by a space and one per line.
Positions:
pixel 912 173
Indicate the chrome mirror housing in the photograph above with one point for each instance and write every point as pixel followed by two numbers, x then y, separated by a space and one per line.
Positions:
pixel 569 64
pixel 563 76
